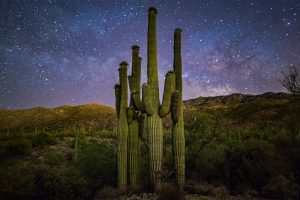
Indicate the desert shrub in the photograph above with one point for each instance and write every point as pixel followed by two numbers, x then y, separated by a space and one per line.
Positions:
pixel 248 164
pixel 41 139
pixel 60 183
pixel 15 147
pixel 17 180
pixel 281 188
pixel 209 163
pixel 110 193
pixel 202 188
pixel 219 191
pixel 287 143
pixel 52 158
pixel 170 192
pixel 206 189
pixel 103 134
pixel 99 162
pixel 67 133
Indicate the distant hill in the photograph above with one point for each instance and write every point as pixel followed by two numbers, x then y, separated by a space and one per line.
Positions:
pixel 238 109
pixel 268 109
pixel 90 116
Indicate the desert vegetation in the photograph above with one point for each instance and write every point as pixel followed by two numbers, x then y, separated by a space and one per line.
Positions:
pixel 226 152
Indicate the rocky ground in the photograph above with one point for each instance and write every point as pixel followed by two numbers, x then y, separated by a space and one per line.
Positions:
pixel 150 196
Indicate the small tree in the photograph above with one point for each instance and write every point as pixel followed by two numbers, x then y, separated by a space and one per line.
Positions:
pixel 291 80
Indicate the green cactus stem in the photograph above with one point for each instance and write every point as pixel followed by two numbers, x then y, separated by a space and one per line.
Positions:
pixel 133 125
pixel 177 114
pixel 121 109
pixel 76 149
pixel 133 153
pixel 168 90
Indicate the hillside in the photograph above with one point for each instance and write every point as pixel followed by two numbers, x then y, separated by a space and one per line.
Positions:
pixel 250 110
pixel 239 109
pixel 90 116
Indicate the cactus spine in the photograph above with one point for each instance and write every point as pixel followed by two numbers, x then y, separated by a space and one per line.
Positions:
pixel 121 108
pixel 177 114
pixel 133 125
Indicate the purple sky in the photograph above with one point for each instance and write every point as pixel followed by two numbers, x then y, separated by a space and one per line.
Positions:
pixel 67 52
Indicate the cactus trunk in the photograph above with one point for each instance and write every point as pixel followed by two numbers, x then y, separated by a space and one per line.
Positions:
pixel 153 122
pixel 133 153
pixel 76 149
pixel 150 104
pixel 121 105
pixel 178 123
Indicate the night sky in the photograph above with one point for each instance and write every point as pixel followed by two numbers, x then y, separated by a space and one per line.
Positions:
pixel 61 52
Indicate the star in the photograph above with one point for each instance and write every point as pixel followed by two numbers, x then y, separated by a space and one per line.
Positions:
pixel 68 52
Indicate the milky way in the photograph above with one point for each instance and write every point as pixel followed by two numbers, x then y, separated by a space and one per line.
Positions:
pixel 67 52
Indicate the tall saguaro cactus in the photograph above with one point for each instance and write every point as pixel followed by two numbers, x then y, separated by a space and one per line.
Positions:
pixel 121 109
pixel 177 114
pixel 129 124
pixel 133 124
pixel 150 103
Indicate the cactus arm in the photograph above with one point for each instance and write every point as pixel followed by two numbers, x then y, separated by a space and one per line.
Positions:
pixel 177 65
pixel 152 49
pixel 130 114
pixel 174 106
pixel 130 83
pixel 123 128
pixel 147 100
pixel 152 70
pixel 123 83
pixel 177 116
pixel 168 90
pixel 135 79
pixel 138 73
pixel 117 98
pixel 139 105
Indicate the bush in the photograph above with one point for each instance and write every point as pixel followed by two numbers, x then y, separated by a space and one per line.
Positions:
pixel 52 158
pixel 206 189
pixel 281 188
pixel 41 139
pixel 170 192
pixel 98 162
pixel 15 147
pixel 202 188
pixel 248 165
pixel 111 193
pixel 58 183
pixel 17 181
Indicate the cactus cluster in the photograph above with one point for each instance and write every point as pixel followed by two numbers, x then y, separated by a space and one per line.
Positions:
pixel 145 114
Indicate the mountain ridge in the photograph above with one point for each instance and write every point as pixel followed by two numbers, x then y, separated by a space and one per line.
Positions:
pixel 97 116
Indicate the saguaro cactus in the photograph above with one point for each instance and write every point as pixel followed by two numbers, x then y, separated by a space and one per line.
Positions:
pixel 150 103
pixel 177 114
pixel 133 125
pixel 76 149
pixel 121 109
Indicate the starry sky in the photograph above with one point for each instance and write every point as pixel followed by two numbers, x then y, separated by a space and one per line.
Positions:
pixel 60 52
